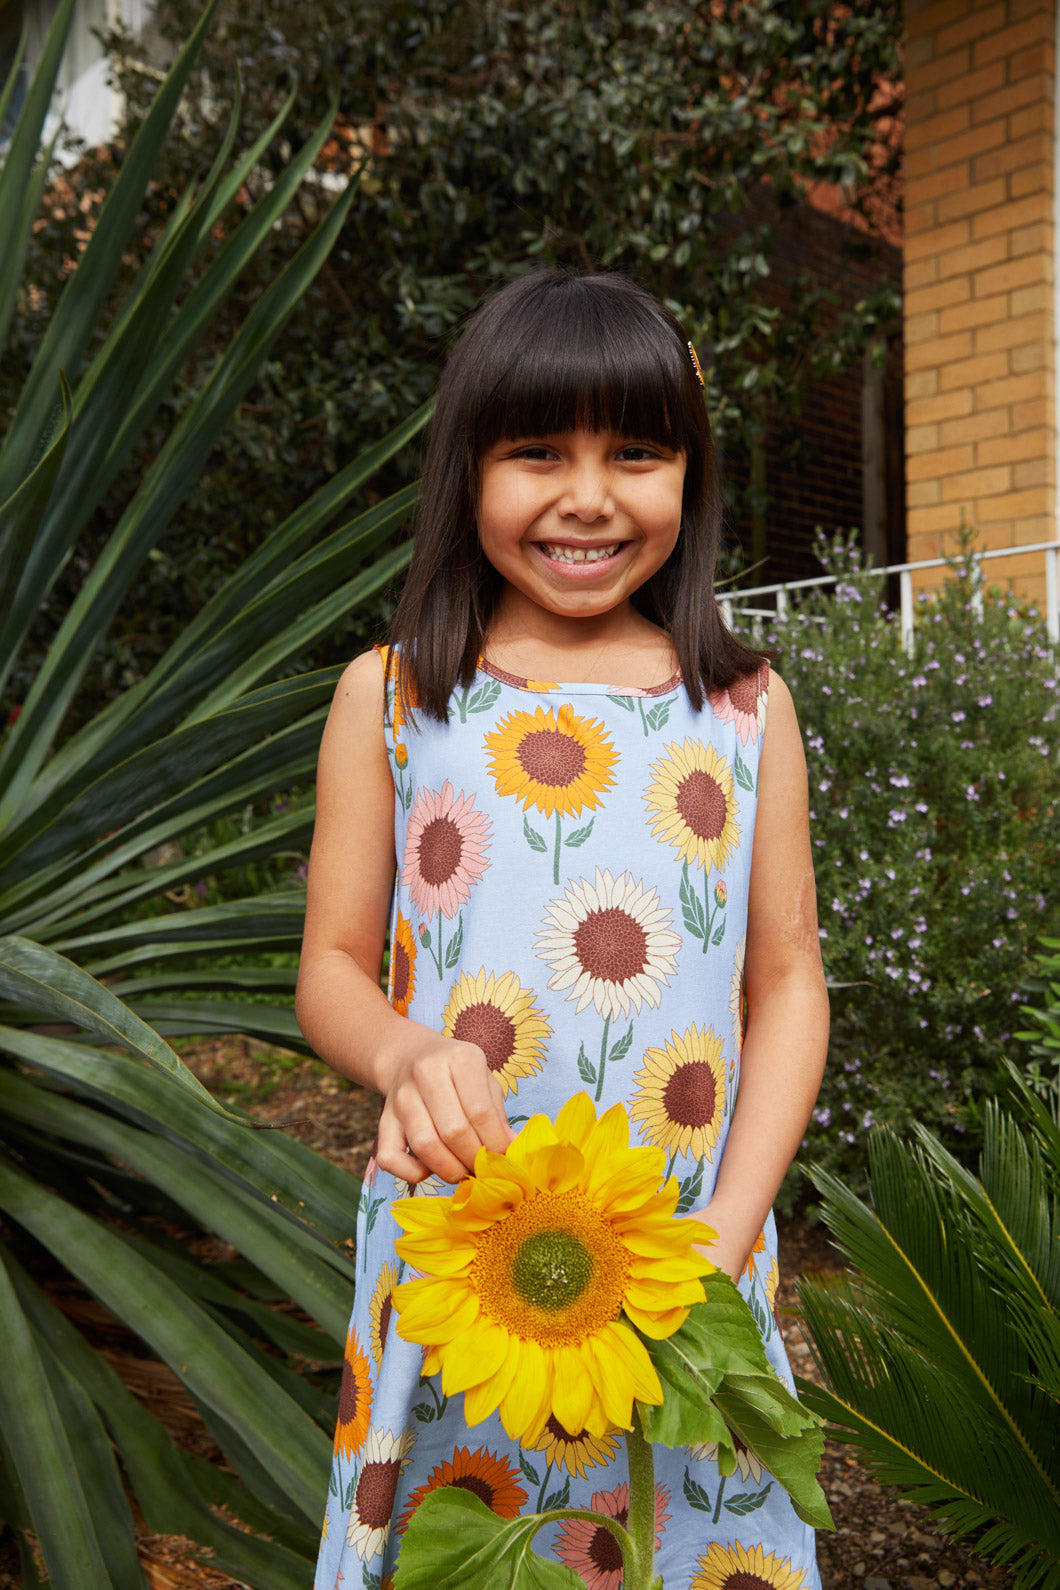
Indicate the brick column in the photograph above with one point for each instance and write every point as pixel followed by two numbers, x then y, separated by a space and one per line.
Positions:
pixel 979 335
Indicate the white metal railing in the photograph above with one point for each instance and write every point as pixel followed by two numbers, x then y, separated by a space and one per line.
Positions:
pixel 743 602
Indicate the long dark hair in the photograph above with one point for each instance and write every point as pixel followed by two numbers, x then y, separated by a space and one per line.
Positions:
pixel 552 352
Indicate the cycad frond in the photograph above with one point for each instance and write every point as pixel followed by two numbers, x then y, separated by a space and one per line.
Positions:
pixel 943 1351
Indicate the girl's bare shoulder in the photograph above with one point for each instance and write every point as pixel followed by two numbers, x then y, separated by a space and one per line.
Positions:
pixel 355 721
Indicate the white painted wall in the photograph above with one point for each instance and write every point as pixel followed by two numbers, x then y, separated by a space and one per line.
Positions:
pixel 89 107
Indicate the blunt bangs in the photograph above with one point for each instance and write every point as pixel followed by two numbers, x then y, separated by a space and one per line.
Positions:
pixel 581 353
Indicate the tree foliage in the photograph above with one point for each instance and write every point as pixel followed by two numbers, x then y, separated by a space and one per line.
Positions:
pixel 665 140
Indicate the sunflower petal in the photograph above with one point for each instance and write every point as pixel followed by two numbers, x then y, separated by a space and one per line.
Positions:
pixel 519 1407
pixel 572 1392
pixel 474 1356
pixel 537 1132
pixel 576 1120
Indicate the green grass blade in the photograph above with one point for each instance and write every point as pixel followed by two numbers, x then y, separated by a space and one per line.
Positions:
pixel 17 172
pixel 289 1175
pixel 289 832
pixel 57 989
pixel 314 622
pixel 21 515
pixel 215 1371
pixel 167 483
pixel 135 368
pixel 77 312
pixel 162 1476
pixel 176 768
pixel 39 1445
pixel 288 1254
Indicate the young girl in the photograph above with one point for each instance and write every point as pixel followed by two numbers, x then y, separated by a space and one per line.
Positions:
pixel 602 860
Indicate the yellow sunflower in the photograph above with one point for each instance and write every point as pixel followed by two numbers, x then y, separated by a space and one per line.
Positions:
pixel 528 1268
pixel 355 1398
pixel 380 1308
pixel 693 804
pixel 403 952
pixel 736 1567
pixel 500 1016
pixel 680 1098
pixel 577 1450
pixel 482 1473
pixel 551 759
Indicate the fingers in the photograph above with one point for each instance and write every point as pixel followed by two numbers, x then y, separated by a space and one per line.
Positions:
pixel 444 1106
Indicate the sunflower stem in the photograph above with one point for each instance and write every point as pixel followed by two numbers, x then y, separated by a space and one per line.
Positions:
pixel 603 1060
pixel 559 846
pixel 640 1574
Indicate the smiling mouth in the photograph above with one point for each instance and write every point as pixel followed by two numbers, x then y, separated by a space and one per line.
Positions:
pixel 566 554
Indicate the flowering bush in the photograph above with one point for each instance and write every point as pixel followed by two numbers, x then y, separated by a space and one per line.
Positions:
pixel 936 839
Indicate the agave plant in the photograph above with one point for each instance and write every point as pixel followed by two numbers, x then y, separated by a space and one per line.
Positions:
pixel 942 1348
pixel 110 1151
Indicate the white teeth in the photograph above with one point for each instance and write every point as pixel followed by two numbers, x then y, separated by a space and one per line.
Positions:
pixel 579 554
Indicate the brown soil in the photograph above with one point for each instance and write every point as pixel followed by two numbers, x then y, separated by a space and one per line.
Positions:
pixel 881 1541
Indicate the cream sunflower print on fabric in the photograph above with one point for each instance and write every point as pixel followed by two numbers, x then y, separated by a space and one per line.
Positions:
pixel 501 1017
pixel 372 1503
pixel 557 762
pixel 680 1098
pixel 609 944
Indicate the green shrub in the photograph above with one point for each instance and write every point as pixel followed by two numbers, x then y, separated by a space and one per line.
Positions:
pixel 936 844
pixel 1043 1067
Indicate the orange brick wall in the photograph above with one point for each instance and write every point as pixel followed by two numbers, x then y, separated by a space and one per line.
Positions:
pixel 979 361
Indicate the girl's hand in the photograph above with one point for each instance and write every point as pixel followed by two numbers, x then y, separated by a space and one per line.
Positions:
pixel 442 1105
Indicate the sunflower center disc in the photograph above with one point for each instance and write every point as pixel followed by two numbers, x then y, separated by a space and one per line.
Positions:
pixel 552 1269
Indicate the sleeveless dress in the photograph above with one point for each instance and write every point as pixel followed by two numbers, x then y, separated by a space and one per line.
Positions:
pixel 571 895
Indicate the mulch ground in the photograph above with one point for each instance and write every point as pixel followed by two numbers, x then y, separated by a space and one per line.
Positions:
pixel 881 1541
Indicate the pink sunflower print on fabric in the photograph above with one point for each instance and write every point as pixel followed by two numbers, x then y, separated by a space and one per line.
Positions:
pixel 744 703
pixel 445 852
pixel 591 1549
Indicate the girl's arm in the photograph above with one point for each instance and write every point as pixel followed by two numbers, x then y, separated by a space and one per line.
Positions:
pixel 442 1102
pixel 787 1002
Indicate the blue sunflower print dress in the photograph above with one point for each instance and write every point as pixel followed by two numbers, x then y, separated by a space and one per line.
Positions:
pixel 571 895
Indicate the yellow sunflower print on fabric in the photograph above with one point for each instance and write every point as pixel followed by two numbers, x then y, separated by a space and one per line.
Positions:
pixel 739 1567
pixel 680 1098
pixel 557 762
pixel 502 1018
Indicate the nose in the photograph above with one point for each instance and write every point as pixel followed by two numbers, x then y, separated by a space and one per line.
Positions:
pixel 587 494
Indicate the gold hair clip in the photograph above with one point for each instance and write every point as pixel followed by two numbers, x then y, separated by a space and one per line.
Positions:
pixel 697 367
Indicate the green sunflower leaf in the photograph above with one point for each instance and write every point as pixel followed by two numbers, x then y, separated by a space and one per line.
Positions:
pixel 658 715
pixel 695 1495
pixel 532 837
pixel 580 835
pixel 715 1374
pixel 454 1542
pixel 624 701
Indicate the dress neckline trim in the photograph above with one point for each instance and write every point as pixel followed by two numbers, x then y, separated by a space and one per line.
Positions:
pixel 587 687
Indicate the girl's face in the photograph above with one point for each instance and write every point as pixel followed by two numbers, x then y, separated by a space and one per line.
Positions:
pixel 576 522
